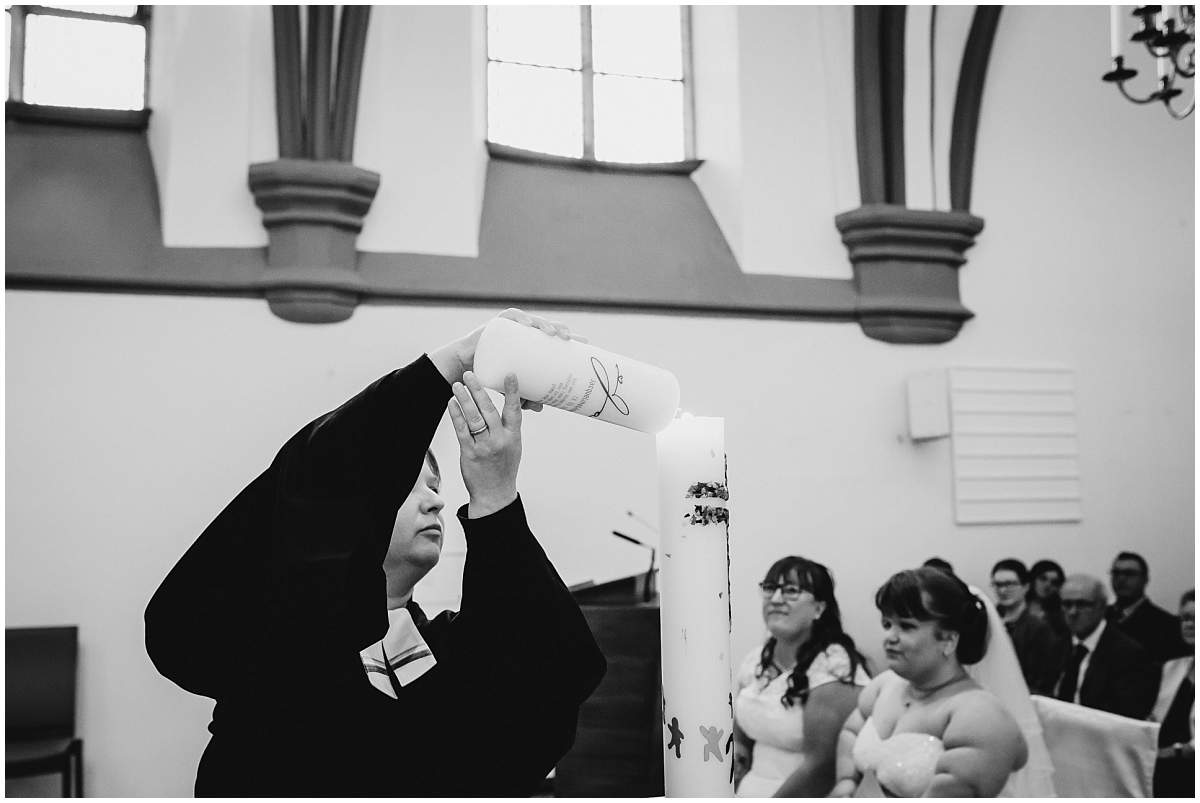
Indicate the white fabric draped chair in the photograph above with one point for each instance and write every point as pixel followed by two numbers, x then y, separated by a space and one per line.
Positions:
pixel 1095 753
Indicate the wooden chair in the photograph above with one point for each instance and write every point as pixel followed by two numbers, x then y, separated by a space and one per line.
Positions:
pixel 39 696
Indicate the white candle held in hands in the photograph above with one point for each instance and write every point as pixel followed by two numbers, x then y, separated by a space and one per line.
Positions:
pixel 577 377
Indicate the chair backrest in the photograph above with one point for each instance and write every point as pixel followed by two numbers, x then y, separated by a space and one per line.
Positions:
pixel 39 682
pixel 1095 753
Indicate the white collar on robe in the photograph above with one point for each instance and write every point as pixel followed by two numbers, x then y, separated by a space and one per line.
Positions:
pixel 401 653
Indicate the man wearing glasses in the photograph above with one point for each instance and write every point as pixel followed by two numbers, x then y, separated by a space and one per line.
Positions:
pixel 1104 668
pixel 1139 618
pixel 1038 649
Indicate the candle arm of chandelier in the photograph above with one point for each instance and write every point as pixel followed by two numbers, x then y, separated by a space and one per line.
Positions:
pixel 1191 107
pixel 1186 70
pixel 1152 49
pixel 1153 96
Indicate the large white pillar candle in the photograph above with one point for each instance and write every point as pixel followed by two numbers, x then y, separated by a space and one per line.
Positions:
pixel 694 604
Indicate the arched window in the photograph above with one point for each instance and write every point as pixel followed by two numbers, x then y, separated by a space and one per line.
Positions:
pixel 606 83
pixel 90 57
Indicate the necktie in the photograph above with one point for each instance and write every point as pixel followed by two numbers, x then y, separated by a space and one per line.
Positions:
pixel 400 657
pixel 1070 679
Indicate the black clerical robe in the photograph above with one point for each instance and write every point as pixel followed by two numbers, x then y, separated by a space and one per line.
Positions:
pixel 268 610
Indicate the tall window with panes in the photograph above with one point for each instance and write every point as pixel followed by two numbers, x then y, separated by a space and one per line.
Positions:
pixel 605 83
pixel 91 57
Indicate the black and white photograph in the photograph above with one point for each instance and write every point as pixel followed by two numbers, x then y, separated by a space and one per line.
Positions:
pixel 620 401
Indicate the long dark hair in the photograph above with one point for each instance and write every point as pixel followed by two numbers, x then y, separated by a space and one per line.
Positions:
pixel 931 595
pixel 1037 570
pixel 826 629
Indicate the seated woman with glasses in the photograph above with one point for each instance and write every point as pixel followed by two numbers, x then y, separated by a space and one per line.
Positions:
pixel 794 692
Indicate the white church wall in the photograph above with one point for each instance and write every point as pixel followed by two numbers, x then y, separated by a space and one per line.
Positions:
pixel 777 126
pixel 133 419
pixel 422 127
pixel 211 82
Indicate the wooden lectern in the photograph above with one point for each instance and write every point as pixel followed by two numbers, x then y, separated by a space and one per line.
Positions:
pixel 618 748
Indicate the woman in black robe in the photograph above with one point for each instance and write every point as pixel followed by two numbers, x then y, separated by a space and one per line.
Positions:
pixel 270 610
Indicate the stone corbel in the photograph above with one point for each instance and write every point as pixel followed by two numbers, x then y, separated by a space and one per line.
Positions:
pixel 312 198
pixel 906 261
pixel 906 264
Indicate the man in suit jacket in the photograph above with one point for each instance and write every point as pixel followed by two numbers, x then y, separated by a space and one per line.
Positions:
pixel 1104 668
pixel 1139 618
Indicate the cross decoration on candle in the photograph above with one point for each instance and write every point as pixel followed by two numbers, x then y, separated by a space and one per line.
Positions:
pixel 695 613
pixel 1169 36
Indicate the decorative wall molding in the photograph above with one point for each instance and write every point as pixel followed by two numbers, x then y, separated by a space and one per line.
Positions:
pixel 968 102
pixel 313 199
pixel 313 212
pixel 511 154
pixel 83 214
pixel 906 261
pixel 135 119
pixel 879 102
pixel 906 265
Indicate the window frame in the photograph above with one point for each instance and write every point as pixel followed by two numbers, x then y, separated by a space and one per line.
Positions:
pixel 587 100
pixel 16 67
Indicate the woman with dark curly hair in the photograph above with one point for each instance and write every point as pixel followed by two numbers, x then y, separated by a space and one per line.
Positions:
pixel 927 727
pixel 794 693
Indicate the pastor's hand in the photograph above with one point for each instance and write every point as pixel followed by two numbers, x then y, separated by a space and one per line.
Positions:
pixel 489 444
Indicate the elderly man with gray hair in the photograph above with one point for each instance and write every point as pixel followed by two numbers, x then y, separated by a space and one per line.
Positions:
pixel 1104 668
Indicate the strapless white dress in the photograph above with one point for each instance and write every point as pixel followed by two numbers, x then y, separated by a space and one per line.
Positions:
pixel 902 765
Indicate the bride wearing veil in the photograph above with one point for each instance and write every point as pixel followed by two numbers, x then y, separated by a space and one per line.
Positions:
pixel 1000 673
pixel 952 716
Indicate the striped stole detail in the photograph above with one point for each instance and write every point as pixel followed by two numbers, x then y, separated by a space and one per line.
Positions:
pixel 400 657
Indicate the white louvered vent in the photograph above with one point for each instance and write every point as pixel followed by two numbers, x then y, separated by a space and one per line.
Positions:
pixel 1015 442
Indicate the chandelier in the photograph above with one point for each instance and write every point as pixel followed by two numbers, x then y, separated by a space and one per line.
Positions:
pixel 1169 35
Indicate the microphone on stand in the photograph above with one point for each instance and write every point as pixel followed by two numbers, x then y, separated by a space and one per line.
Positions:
pixel 650 572
pixel 641 521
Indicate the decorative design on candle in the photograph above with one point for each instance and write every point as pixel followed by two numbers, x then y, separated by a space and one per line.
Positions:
pixel 707 515
pixel 712 741
pixel 610 395
pixel 708 490
pixel 676 737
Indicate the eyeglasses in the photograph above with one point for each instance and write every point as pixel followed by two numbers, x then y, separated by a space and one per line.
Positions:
pixel 1002 584
pixel 791 593
pixel 1082 604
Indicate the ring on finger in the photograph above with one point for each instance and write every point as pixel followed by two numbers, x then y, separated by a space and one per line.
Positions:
pixel 482 428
